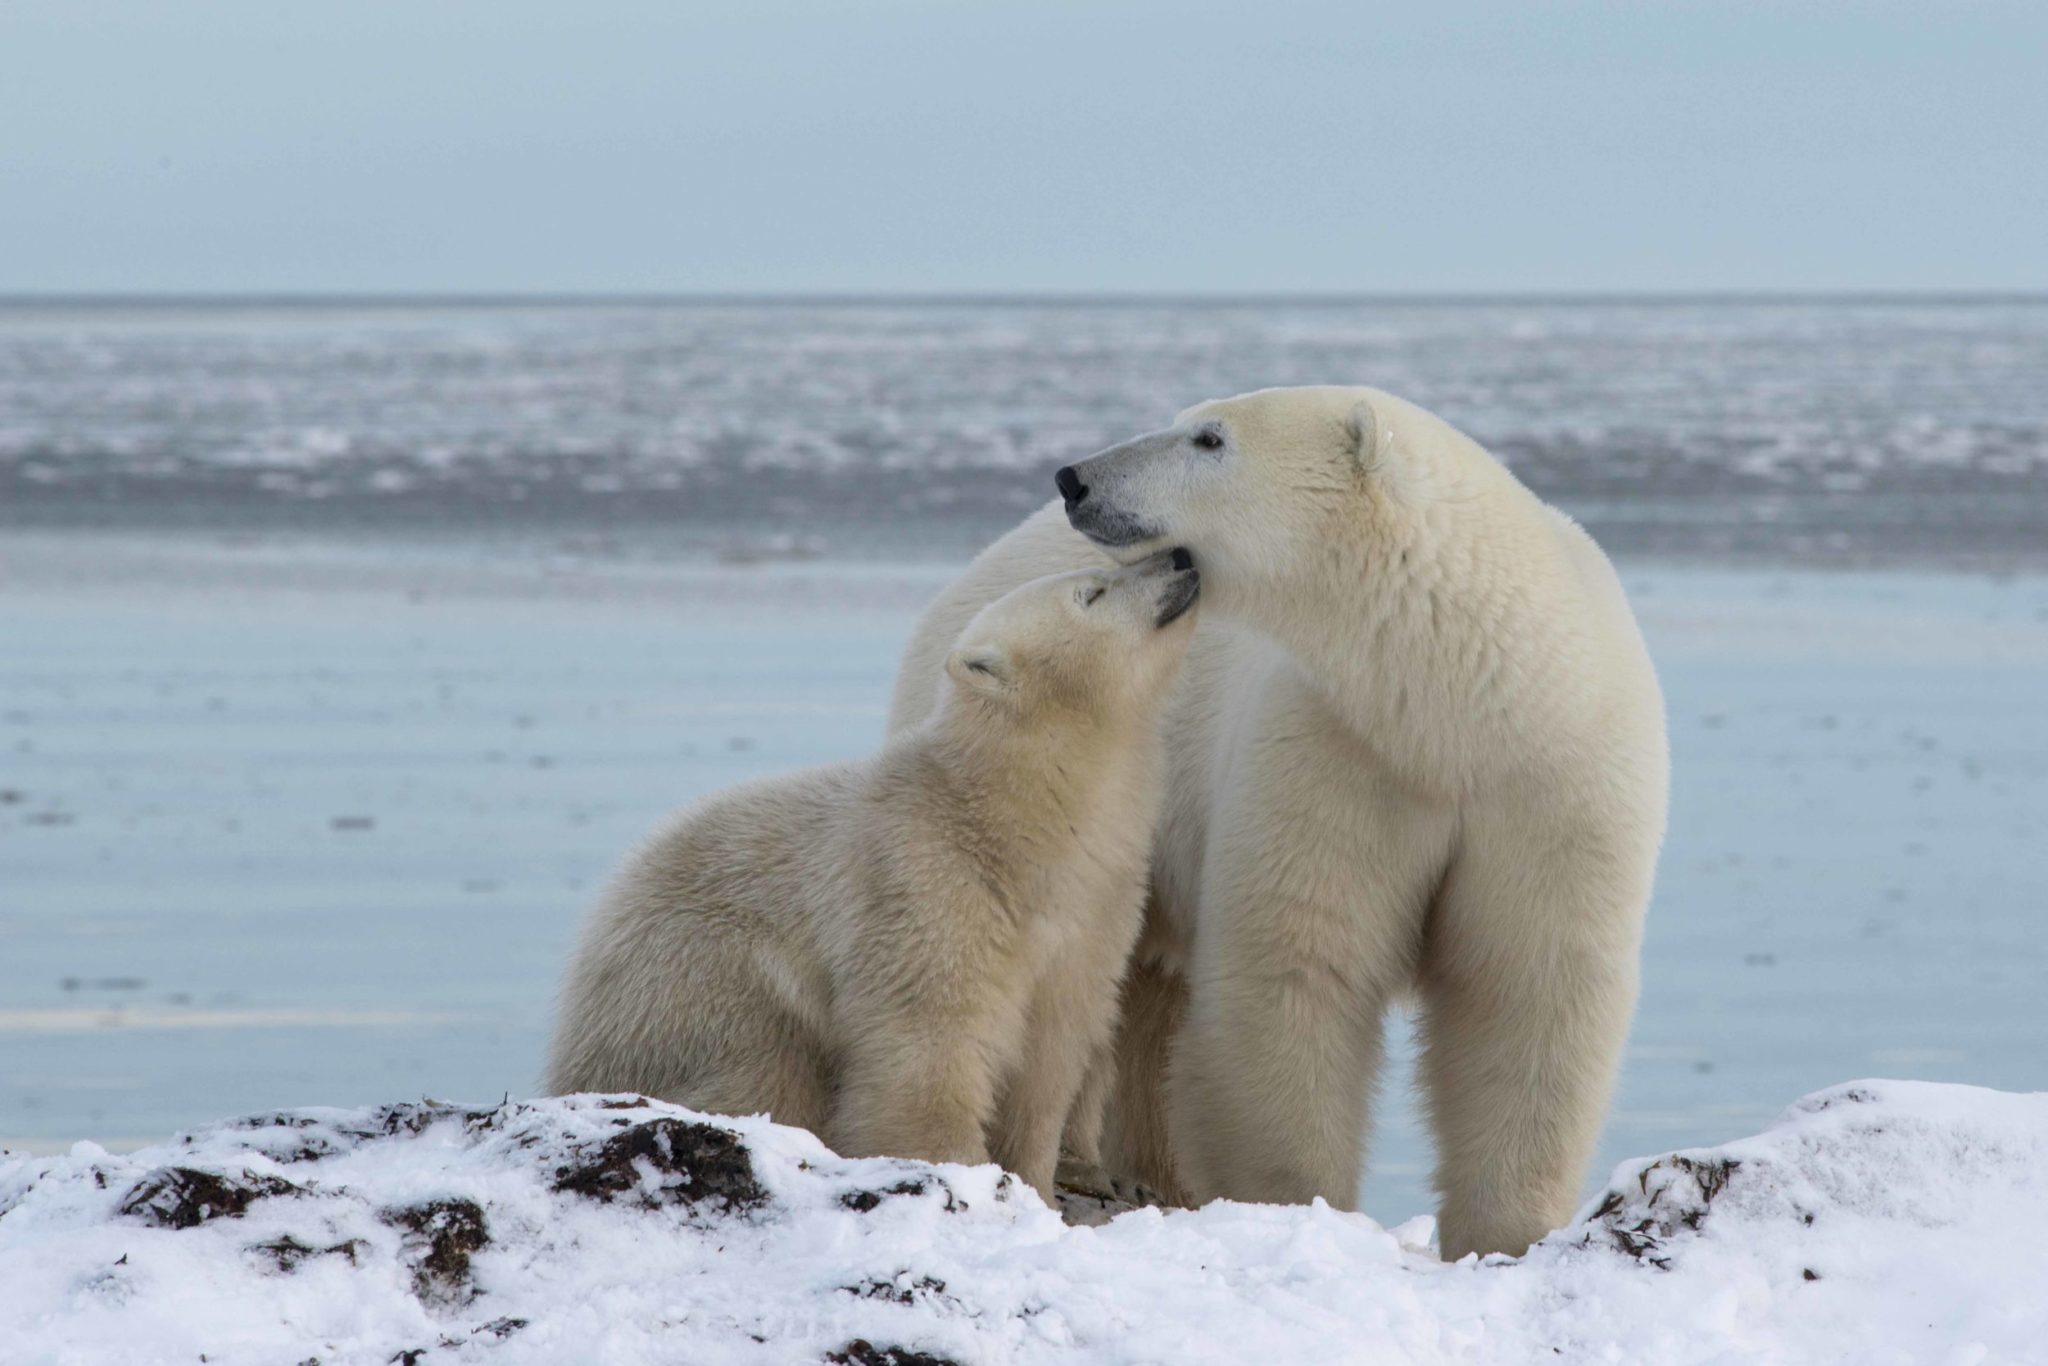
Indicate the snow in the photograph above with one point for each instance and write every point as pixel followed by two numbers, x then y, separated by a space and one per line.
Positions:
pixel 1882 1221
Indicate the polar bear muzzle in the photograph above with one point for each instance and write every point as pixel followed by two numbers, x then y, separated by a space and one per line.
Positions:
pixel 1099 492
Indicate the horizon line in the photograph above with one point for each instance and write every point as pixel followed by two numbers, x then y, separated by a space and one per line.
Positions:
pixel 1019 298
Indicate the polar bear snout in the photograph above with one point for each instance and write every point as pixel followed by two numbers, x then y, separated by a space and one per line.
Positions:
pixel 1174 581
pixel 1098 493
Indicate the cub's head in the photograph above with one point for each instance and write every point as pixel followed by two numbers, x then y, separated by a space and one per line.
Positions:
pixel 1099 642
pixel 1259 487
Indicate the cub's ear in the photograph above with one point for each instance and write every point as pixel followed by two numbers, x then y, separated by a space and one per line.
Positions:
pixel 1370 439
pixel 984 669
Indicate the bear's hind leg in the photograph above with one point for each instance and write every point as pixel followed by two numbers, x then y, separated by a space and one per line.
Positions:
pixel 765 1064
pixel 1528 985
pixel 706 1030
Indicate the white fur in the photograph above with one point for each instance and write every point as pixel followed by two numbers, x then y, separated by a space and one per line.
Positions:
pixel 918 954
pixel 1418 746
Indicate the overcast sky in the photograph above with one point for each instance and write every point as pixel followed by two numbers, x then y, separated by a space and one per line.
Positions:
pixel 1101 145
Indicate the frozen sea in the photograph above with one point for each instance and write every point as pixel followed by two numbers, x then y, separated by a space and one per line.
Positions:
pixel 343 650
pixel 1850 432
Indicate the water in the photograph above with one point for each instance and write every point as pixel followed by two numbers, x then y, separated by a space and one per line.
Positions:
pixel 1839 433
pixel 344 649
pixel 286 829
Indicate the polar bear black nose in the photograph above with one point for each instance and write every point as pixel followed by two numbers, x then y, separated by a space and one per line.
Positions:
pixel 1070 486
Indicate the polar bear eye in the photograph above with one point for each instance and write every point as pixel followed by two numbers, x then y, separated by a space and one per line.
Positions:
pixel 1208 439
pixel 1089 595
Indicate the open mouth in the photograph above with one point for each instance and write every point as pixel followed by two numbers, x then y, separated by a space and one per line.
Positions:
pixel 1181 591
pixel 1110 529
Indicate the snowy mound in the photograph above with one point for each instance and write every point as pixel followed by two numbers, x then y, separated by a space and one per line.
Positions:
pixel 1884 1221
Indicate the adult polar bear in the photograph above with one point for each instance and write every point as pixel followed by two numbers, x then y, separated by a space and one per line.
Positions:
pixel 1418 746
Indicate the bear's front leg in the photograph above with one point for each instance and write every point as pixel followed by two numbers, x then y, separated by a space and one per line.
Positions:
pixel 1067 1030
pixel 1313 890
pixel 1273 1070
pixel 1081 1139
pixel 916 1085
pixel 1528 987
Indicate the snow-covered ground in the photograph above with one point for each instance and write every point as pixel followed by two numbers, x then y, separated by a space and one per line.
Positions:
pixel 1875 1222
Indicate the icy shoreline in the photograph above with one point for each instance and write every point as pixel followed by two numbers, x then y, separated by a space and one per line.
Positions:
pixel 1838 431
pixel 1878 1221
pixel 283 825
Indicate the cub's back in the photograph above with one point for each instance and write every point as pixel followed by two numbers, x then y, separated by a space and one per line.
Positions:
pixel 751 859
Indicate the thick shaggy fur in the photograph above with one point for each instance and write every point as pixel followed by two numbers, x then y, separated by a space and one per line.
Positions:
pixel 1418 747
pixel 918 954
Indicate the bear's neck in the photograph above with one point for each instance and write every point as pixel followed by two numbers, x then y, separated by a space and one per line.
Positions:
pixel 1034 787
pixel 1435 649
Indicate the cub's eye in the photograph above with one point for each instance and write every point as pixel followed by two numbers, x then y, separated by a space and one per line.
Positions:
pixel 1089 595
pixel 1208 439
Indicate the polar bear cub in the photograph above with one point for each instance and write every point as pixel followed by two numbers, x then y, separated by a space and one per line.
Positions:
pixel 917 954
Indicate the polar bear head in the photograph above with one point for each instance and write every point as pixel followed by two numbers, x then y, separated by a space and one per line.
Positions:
pixel 1267 486
pixel 1103 642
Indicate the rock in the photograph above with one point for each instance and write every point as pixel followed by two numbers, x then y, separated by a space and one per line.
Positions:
pixel 186 1197
pixel 442 1235
pixel 665 1160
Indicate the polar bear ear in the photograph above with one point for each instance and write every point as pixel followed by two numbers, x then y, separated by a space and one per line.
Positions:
pixel 985 669
pixel 1370 439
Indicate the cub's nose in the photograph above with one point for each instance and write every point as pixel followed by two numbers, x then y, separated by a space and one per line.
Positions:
pixel 1070 486
pixel 1181 558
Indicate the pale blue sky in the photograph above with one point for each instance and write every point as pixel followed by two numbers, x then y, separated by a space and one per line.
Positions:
pixel 1114 145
